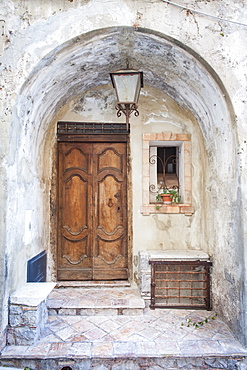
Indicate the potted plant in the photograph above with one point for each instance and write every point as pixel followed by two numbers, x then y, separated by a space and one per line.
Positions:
pixel 168 196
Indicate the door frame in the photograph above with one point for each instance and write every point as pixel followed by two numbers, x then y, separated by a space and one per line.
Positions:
pixel 82 137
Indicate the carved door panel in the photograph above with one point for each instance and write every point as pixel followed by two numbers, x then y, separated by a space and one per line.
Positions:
pixel 92 240
pixel 110 211
pixel 74 258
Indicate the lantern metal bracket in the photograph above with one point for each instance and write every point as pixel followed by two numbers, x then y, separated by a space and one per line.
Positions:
pixel 127 109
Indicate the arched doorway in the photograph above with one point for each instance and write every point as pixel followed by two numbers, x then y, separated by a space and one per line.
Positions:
pixel 82 65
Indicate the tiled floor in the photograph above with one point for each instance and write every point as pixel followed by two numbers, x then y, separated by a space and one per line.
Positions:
pixel 157 332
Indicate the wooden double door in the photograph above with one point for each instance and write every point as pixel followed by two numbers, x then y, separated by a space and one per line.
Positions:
pixel 92 211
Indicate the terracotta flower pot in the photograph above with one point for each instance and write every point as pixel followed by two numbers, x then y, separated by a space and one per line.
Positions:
pixel 166 198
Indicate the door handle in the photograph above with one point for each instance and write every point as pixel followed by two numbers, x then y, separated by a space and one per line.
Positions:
pixel 117 195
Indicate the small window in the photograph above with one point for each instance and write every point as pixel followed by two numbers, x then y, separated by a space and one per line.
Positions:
pixel 167 167
pixel 165 172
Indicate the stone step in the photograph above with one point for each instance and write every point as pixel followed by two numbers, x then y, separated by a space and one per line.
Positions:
pixel 10 368
pixel 157 339
pixel 93 284
pixel 91 300
pixel 126 362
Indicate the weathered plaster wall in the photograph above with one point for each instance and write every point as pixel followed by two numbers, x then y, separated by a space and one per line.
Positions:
pixel 158 113
pixel 49 58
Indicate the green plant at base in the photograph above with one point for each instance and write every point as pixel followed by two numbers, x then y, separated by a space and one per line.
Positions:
pixel 198 324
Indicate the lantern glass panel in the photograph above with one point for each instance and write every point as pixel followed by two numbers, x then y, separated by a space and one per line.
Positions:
pixel 127 87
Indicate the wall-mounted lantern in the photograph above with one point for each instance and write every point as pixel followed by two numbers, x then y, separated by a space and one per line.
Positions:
pixel 128 84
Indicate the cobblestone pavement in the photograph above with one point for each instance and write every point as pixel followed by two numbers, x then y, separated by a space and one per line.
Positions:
pixel 154 333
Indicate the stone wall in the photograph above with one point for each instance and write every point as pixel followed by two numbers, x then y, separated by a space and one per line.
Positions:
pixel 54 54
pixel 28 313
pixel 186 363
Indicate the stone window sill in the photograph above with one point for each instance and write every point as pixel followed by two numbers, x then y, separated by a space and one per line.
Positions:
pixel 186 209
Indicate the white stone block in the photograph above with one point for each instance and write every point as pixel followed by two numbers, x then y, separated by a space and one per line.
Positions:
pixel 31 294
pixel 10 368
pixel 179 255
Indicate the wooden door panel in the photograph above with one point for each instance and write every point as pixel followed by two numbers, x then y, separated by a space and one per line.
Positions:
pixel 109 158
pixel 75 274
pixel 109 209
pixel 76 264
pixel 75 157
pixel 75 193
pixel 110 254
pixel 110 251
pixel 75 224
pixel 92 236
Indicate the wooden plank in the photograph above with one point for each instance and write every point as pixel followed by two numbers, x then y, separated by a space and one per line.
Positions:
pixel 112 274
pixel 74 274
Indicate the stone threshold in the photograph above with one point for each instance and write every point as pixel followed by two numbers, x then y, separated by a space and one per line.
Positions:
pixel 103 300
pixel 93 284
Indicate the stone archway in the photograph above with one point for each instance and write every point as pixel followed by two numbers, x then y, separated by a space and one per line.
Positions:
pixel 83 64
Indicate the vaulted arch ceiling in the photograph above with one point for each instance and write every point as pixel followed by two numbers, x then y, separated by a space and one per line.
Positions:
pixel 84 63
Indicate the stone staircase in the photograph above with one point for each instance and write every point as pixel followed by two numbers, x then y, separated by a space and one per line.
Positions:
pixel 106 326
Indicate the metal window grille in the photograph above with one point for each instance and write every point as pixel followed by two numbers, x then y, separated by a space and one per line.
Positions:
pixel 180 284
pixel 90 128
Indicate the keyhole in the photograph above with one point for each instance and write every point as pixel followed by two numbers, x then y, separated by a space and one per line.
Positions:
pixel 110 202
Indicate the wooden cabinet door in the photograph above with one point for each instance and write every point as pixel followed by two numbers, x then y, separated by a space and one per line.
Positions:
pixel 92 220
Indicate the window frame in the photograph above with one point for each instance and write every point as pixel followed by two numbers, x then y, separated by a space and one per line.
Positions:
pixel 184 142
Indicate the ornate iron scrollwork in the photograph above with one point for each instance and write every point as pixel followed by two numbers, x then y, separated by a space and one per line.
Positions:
pixel 127 109
pixel 171 159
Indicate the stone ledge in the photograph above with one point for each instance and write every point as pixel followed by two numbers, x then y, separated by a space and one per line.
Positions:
pixel 10 368
pixel 186 209
pixel 31 294
pixel 28 313
pixel 179 255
